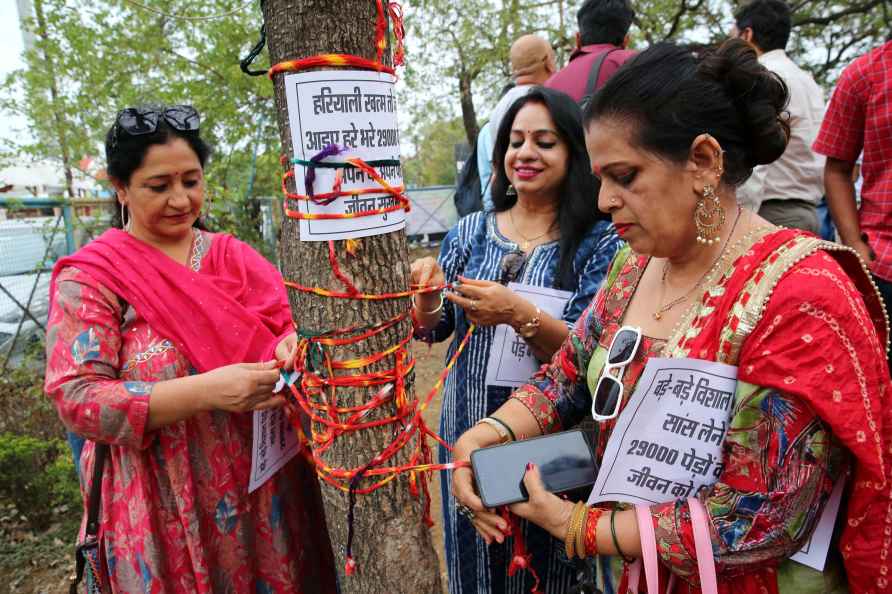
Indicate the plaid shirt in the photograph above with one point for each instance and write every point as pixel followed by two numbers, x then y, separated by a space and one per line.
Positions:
pixel 858 118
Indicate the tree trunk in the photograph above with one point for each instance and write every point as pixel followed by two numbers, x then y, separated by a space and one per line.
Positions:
pixel 468 113
pixel 54 96
pixel 392 547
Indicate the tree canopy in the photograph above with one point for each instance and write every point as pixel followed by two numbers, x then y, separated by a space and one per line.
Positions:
pixel 93 57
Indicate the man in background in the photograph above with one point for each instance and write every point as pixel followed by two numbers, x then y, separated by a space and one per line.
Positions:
pixel 603 29
pixel 787 191
pixel 532 62
pixel 859 118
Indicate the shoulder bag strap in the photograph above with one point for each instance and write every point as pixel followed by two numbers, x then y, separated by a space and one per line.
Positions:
pixel 91 532
pixel 595 73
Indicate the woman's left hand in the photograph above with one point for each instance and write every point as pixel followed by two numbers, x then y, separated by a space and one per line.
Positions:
pixel 486 303
pixel 286 349
pixel 543 508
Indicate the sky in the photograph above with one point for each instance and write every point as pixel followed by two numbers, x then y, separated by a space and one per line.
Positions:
pixel 10 58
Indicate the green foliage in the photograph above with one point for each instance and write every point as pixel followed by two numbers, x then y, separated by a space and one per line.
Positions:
pixel 449 41
pixel 102 56
pixel 36 475
pixel 434 160
pixel 24 408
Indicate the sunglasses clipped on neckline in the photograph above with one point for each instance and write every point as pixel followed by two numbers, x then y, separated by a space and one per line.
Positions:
pixel 609 391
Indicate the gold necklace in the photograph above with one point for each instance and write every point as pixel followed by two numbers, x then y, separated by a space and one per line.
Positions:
pixel 527 240
pixel 661 309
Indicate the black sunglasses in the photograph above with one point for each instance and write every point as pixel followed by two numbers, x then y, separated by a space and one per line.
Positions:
pixel 137 121
pixel 609 392
pixel 511 266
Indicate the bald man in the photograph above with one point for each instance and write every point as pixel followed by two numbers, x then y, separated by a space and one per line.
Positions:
pixel 532 63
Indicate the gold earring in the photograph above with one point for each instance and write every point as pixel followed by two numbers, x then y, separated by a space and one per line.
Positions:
pixel 709 216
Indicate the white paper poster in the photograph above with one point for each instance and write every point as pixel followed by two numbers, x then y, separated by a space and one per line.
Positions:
pixel 511 361
pixel 667 442
pixel 355 109
pixel 275 442
pixel 814 553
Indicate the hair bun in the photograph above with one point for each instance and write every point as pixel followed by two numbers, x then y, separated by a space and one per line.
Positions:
pixel 759 95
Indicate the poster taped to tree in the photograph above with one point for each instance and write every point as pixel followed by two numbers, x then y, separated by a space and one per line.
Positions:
pixel 355 110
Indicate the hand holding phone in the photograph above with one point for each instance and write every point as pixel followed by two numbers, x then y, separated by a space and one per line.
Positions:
pixel 565 461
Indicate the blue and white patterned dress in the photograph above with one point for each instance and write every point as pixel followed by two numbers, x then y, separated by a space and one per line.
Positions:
pixel 474 249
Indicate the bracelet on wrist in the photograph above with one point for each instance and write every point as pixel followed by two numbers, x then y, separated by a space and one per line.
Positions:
pixel 577 519
pixel 504 431
pixel 619 551
pixel 530 328
pixel 591 531
pixel 428 313
pixel 580 531
pixel 505 426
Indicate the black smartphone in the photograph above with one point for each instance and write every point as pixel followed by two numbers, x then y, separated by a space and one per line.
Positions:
pixel 565 461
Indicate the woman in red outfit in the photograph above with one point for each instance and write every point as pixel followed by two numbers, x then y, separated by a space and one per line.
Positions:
pixel 160 344
pixel 672 135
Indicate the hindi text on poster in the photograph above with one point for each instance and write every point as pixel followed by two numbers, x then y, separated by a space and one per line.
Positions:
pixel 355 110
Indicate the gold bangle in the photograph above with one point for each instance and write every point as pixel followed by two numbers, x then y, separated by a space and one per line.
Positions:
pixel 570 539
pixel 580 532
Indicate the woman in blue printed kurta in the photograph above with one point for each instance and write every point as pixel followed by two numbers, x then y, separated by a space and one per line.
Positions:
pixel 540 152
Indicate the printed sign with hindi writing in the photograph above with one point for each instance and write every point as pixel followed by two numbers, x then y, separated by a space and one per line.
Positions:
pixel 355 110
pixel 667 442
pixel 511 361
pixel 275 443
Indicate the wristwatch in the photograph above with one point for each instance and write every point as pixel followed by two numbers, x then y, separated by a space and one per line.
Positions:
pixel 531 328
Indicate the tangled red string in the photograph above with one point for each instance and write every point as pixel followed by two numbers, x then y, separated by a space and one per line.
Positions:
pixel 395 11
pixel 315 393
pixel 319 375
pixel 400 200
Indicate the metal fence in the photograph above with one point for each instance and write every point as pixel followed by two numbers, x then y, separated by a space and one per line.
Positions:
pixel 35 232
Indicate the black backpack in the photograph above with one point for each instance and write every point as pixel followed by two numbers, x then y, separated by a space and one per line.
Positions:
pixel 593 76
pixel 468 196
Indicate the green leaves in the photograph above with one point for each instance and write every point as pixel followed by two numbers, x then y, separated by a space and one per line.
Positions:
pixel 104 56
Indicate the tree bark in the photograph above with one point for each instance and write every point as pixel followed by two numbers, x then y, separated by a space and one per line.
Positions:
pixel 468 113
pixel 49 64
pixel 392 547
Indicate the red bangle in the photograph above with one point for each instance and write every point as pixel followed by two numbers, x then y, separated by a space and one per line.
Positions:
pixel 591 531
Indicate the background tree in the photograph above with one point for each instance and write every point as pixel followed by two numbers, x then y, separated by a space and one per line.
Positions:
pixel 392 545
pixel 91 58
pixel 434 161
pixel 462 57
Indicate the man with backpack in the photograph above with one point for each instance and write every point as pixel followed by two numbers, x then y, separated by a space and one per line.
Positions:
pixel 600 48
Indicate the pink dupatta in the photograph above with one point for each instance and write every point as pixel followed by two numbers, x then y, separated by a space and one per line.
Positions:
pixel 232 311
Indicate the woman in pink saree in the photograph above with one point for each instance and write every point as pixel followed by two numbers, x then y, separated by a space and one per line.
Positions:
pixel 162 341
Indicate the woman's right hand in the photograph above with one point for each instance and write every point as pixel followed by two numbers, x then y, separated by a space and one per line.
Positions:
pixel 489 524
pixel 426 272
pixel 243 387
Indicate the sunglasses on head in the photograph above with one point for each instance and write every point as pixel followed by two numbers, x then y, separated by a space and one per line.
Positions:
pixel 511 266
pixel 137 121
pixel 609 392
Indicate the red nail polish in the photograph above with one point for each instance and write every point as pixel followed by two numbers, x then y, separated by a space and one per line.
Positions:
pixel 529 466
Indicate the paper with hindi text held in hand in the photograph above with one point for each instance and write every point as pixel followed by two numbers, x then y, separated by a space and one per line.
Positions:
pixel 275 443
pixel 667 442
pixel 511 361
pixel 355 109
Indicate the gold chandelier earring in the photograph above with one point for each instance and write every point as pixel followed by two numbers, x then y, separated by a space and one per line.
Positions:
pixel 709 216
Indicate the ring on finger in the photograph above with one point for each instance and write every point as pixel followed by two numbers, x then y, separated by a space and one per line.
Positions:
pixel 474 305
pixel 465 511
